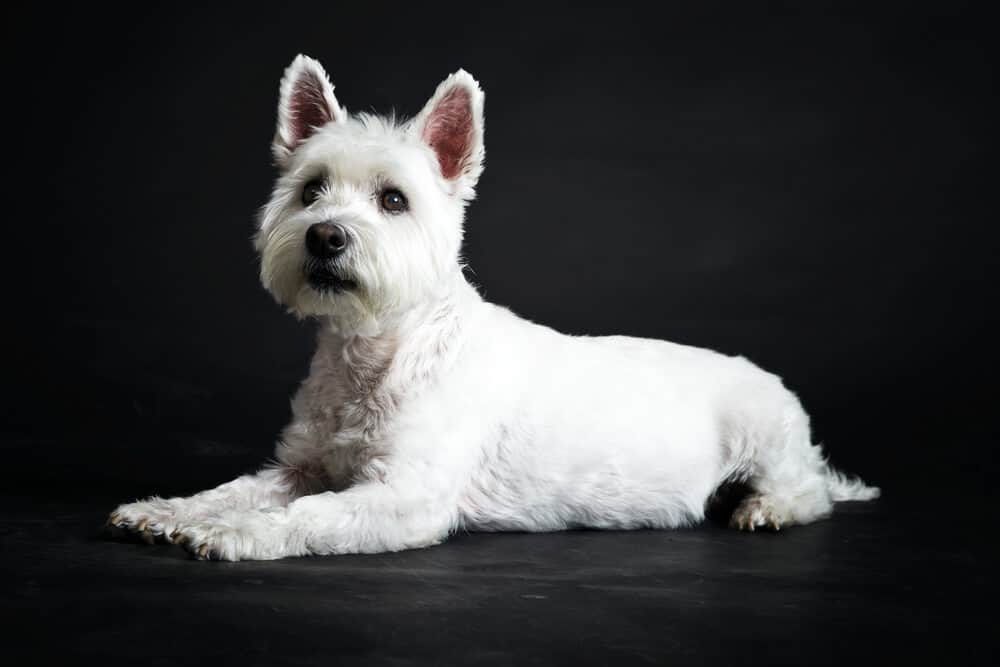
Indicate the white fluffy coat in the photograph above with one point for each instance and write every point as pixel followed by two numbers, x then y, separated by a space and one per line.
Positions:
pixel 428 410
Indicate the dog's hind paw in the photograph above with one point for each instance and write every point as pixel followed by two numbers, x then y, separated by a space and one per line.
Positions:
pixel 757 511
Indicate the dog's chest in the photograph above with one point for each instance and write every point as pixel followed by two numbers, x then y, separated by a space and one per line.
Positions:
pixel 346 407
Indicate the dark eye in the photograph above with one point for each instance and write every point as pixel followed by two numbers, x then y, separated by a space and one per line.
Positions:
pixel 393 201
pixel 312 190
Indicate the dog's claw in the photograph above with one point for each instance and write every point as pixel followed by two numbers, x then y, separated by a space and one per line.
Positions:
pixel 203 552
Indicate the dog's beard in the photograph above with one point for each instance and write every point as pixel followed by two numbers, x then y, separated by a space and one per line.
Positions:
pixel 359 292
pixel 329 291
pixel 310 288
pixel 347 309
pixel 327 277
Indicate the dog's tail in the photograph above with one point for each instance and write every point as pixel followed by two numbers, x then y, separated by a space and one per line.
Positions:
pixel 842 487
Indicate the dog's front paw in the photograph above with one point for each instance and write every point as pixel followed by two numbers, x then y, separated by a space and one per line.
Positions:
pixel 151 520
pixel 233 536
pixel 203 541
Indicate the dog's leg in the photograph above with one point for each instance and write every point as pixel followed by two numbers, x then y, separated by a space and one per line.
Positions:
pixel 370 517
pixel 157 518
pixel 788 478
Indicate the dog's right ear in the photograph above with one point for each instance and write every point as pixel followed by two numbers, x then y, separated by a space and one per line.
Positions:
pixel 307 104
pixel 451 123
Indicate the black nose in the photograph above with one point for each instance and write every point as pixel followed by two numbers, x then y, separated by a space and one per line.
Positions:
pixel 325 240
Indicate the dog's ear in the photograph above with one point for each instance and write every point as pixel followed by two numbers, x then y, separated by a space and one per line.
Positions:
pixel 451 123
pixel 307 104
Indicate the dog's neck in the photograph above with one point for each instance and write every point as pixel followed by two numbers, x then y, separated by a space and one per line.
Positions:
pixel 408 349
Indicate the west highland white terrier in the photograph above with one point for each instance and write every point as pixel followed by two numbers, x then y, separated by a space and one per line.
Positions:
pixel 428 410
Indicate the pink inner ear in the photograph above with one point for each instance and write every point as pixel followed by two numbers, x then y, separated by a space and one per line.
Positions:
pixel 309 109
pixel 449 131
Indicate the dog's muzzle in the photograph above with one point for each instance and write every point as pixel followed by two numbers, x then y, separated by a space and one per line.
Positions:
pixel 326 241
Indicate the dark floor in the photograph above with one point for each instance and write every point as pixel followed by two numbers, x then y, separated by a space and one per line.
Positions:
pixel 892 581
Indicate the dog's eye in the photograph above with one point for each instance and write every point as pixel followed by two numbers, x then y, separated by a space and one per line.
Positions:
pixel 393 201
pixel 312 190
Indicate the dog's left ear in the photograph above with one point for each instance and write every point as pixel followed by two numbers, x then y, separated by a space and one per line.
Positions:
pixel 306 104
pixel 451 123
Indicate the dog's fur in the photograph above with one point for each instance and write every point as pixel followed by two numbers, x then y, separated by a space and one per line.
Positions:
pixel 428 410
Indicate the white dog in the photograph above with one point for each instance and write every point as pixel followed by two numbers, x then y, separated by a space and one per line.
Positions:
pixel 428 410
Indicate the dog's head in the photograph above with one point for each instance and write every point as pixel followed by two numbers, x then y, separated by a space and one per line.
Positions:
pixel 365 221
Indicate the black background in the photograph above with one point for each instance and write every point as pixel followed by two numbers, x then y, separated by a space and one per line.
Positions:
pixel 810 188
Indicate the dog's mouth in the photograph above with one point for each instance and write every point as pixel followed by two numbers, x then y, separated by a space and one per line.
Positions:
pixel 324 279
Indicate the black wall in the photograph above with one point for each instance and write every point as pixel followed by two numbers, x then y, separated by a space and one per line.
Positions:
pixel 809 188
